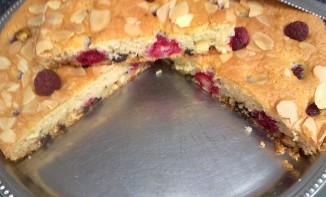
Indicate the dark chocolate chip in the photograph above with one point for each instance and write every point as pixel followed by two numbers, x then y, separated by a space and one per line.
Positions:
pixel 94 102
pixel 119 57
pixel 189 52
pixel 46 140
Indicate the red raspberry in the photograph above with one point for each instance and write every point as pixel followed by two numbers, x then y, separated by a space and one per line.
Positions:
pixel 265 121
pixel 312 110
pixel 92 56
pixel 298 71
pixel 240 40
pixel 163 47
pixel 206 81
pixel 297 30
pixel 46 82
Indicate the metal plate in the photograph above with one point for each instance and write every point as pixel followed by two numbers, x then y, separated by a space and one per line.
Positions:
pixel 161 136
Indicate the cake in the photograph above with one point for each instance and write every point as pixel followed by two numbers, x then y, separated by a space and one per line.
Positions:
pixel 105 31
pixel 270 66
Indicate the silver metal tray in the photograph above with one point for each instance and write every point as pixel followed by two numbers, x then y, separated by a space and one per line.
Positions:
pixel 160 136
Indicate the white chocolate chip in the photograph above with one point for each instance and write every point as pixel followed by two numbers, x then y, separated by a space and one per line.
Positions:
pixel 184 21
pixel 320 96
pixel 179 10
pixel 63 35
pixel 211 8
pixel 8 136
pixel 36 9
pixel 263 20
pixel 163 12
pixel 54 5
pixel 43 46
pixel 55 18
pixel 78 16
pixel 255 8
pixel 263 41
pixel 4 63
pixel 225 57
pixel 320 73
pixel 28 96
pixel 35 21
pixel 288 109
pixel 7 123
pixel 99 19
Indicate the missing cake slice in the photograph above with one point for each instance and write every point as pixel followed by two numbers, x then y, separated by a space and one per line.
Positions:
pixel 111 31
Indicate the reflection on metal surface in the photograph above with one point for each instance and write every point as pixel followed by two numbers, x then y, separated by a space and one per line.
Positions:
pixel 161 136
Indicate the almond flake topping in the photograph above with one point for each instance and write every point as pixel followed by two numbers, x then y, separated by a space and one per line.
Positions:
pixel 12 87
pixel 4 63
pixel 144 5
pixel 179 10
pixel 320 96
pixel 22 65
pixel 211 8
pixel 184 21
pixel 288 109
pixel 7 123
pixel 99 19
pixel 163 12
pixel 7 98
pixel 35 21
pixel 255 8
pixel 8 136
pixel 308 47
pixel 54 5
pixel 263 41
pixel 55 18
pixel 15 47
pixel 310 128
pixel 28 50
pixel 258 79
pixel 29 96
pixel 36 9
pixel 78 16
pixel 47 104
pixel 43 47
pixel 63 35
pixel 132 27
pixel 320 73
pixel 263 20
pixel 225 57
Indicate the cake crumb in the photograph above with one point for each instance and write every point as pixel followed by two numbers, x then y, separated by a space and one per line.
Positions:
pixel 323 147
pixel 159 73
pixel 299 180
pixel 29 157
pixel 262 144
pixel 279 148
pixel 248 129
pixel 286 164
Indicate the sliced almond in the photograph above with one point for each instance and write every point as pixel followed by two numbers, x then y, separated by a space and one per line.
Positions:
pixel 59 96
pixel 308 47
pixel 4 63
pixel 44 46
pixel 225 57
pixel 263 41
pixel 320 96
pixel 31 107
pixel 310 128
pixel 211 8
pixel 99 19
pixel 163 12
pixel 242 12
pixel 255 8
pixel 263 20
pixel 22 65
pixel 36 9
pixel 54 5
pixel 79 16
pixel 77 72
pixel 7 98
pixel 47 104
pixel 3 106
pixel 35 21
pixel 179 10
pixel 8 136
pixel 13 87
pixel 104 2
pixel 26 78
pixel 144 5
pixel 241 53
pixel 258 79
pixel 132 27
pixel 62 35
pixel 15 47
pixel 230 16
pixel 288 109
pixel 28 50
pixel 28 96
pixel 288 72
pixel 184 21
pixel 55 18
pixel 7 123
pixel 320 73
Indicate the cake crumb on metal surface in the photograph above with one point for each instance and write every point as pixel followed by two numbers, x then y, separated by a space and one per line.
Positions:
pixel 262 144
pixel 248 129
pixel 159 72
pixel 286 164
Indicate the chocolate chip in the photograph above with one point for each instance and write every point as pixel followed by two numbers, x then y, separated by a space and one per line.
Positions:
pixel 90 105
pixel 15 113
pixel 46 140
pixel 46 82
pixel 119 57
pixel 189 52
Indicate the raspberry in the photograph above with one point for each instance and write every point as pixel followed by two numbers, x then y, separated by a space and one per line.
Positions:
pixel 298 71
pixel 90 57
pixel 312 110
pixel 163 47
pixel 206 81
pixel 240 40
pixel 46 82
pixel 265 121
pixel 297 30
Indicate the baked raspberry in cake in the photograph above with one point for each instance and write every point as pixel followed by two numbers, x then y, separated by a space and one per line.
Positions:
pixel 89 32
pixel 277 78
